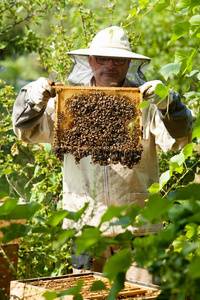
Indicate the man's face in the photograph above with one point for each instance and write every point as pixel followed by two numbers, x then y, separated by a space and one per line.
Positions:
pixel 109 71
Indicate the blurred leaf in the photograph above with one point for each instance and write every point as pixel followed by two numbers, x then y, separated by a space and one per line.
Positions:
pixel 124 222
pixel 132 13
pixel 194 270
pixel 188 150
pixel 143 104
pixel 75 290
pixel 90 236
pixel 47 147
pixel 164 178
pixel 98 286
pixel 3 45
pixel 79 213
pixel 195 20
pixel 162 90
pixel 154 188
pixel 111 212
pixel 63 237
pixel 170 69
pixel 14 231
pixel 57 217
pixel 50 295
pixel 117 286
pixel 180 30
pixel 8 206
pixel 161 5
pixel 155 208
pixel 196 131
pixel 15 211
pixel 117 264
pixel 192 191
pixel 183 4
pixel 176 163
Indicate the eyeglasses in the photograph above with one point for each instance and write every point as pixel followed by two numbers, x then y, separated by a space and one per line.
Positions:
pixel 103 60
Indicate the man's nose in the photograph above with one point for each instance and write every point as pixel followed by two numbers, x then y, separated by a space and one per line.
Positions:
pixel 110 63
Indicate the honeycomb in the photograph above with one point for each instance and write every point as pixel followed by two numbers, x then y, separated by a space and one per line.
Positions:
pixel 104 123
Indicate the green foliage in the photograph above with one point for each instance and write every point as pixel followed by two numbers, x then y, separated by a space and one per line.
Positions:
pixel 32 173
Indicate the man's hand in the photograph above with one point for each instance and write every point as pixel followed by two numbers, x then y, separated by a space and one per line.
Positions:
pixel 42 90
pixel 39 94
pixel 148 91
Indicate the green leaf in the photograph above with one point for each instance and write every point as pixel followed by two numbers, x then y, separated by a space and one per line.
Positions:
pixel 98 286
pixel 15 211
pixel 195 20
pixel 117 264
pixel 75 290
pixel 124 222
pixel 183 4
pixel 89 237
pixel 180 30
pixel 193 73
pixel 143 3
pixel 78 297
pixel 161 5
pixel 192 191
pixel 143 104
pixel 155 208
pixel 50 295
pixel 37 169
pixel 196 130
pixel 117 286
pixel 14 231
pixel 195 218
pixel 7 171
pixel 194 270
pixel 162 90
pixel 3 45
pixel 57 217
pixel 176 163
pixel 132 13
pixel 154 188
pixel 47 147
pixel 112 211
pixel 79 213
pixel 8 206
pixel 188 150
pixel 164 178
pixel 170 69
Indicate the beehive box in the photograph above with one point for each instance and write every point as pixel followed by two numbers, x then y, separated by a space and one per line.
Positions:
pixel 102 122
pixel 34 288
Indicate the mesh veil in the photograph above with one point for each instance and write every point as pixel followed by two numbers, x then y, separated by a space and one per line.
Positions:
pixel 81 72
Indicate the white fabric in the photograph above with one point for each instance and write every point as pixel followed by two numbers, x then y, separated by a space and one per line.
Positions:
pixel 85 182
pixel 111 41
pixel 40 92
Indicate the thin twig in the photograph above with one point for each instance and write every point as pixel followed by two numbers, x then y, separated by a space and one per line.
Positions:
pixel 14 188
pixel 28 17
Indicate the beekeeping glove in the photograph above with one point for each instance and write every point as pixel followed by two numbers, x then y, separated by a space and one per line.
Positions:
pixel 39 94
pixel 148 91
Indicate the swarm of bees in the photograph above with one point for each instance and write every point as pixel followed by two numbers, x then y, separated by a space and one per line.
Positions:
pixel 102 125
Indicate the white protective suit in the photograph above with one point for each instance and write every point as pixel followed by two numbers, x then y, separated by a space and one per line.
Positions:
pixel 114 184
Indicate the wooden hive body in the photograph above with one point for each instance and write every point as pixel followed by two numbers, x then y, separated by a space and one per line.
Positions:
pixel 33 289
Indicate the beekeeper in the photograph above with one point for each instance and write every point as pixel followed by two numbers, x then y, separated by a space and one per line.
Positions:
pixel 108 61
